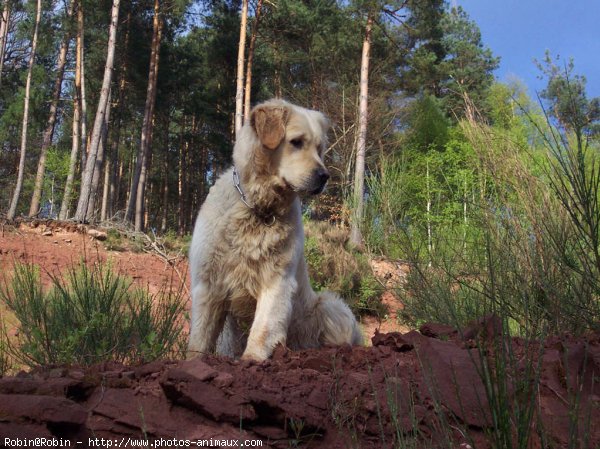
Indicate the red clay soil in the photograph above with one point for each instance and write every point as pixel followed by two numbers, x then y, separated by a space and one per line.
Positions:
pixel 422 385
pixel 56 246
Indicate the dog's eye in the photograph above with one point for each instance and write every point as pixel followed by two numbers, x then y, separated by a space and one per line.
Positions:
pixel 297 143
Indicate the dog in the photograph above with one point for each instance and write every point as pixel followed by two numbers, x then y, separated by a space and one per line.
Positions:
pixel 250 283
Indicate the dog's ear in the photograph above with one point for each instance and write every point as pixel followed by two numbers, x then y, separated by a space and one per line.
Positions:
pixel 269 123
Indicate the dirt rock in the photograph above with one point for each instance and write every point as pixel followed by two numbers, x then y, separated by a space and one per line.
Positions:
pixel 409 385
pixel 45 409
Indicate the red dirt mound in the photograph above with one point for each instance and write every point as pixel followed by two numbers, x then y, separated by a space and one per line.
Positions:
pixel 415 385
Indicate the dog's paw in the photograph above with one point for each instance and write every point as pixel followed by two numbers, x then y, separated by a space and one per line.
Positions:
pixel 253 357
pixel 190 355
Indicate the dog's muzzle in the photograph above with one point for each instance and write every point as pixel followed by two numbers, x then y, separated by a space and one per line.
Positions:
pixel 319 179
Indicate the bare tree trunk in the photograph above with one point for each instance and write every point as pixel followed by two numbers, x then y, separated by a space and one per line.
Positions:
pixel 77 127
pixel 4 34
pixel 239 91
pixel 112 156
pixel 88 174
pixel 108 169
pixel 49 131
pixel 83 99
pixel 165 199
pixel 180 180
pixel 138 186
pixel 248 89
pixel 99 161
pixel 359 172
pixel 15 199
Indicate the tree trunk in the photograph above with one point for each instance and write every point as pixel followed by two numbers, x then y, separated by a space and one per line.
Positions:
pixel 359 172
pixel 138 186
pixel 112 156
pixel 248 89
pixel 165 199
pixel 108 169
pixel 88 174
pixel 82 98
pixel 50 125
pixel 239 91
pixel 15 199
pixel 99 162
pixel 180 180
pixel 77 122
pixel 4 34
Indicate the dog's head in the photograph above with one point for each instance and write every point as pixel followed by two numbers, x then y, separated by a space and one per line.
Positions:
pixel 288 142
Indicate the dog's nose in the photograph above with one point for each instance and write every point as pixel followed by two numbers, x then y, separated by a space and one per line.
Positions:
pixel 319 179
pixel 323 175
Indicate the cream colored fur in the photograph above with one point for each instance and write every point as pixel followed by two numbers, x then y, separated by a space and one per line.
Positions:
pixel 250 285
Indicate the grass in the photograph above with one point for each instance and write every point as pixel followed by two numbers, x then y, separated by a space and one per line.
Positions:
pixel 90 315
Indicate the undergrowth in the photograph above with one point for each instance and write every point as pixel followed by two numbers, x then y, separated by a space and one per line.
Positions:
pixel 90 315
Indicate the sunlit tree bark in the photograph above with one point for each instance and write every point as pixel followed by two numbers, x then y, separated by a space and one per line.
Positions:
pixel 359 171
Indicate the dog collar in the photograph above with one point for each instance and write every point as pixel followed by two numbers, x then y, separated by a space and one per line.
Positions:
pixel 269 219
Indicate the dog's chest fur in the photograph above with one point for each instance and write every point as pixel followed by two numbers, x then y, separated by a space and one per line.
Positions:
pixel 254 255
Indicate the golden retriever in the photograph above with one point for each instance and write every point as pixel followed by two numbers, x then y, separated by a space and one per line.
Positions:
pixel 250 285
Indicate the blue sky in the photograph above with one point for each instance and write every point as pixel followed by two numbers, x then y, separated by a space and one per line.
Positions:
pixel 520 30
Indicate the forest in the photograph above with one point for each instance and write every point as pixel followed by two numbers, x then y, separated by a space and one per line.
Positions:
pixel 125 112
pixel 153 91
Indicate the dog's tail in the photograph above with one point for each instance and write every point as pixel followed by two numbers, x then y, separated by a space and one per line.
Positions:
pixel 327 320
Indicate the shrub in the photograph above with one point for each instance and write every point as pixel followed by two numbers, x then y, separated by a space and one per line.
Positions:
pixel 91 316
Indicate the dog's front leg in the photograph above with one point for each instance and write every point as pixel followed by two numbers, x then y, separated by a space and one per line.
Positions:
pixel 207 319
pixel 271 319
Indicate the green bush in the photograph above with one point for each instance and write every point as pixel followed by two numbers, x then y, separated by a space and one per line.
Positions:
pixel 91 316
pixel 533 255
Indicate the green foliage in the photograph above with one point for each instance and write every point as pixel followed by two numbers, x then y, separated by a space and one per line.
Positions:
pixel 451 62
pixel 386 207
pixel 175 243
pixel 428 126
pixel 114 240
pixel 468 66
pixel 90 317
pixel 489 223
pixel 515 258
